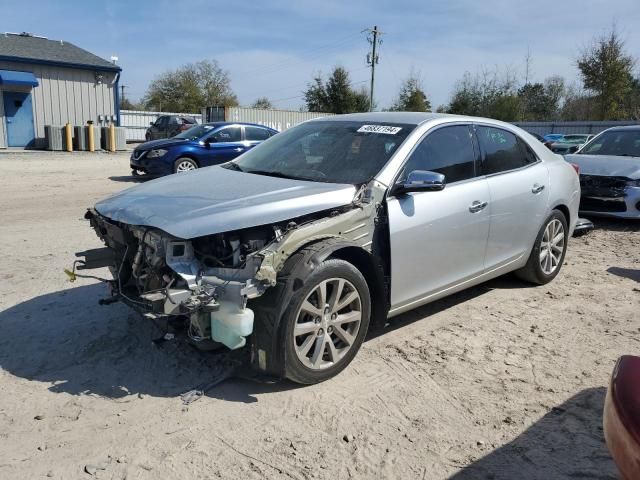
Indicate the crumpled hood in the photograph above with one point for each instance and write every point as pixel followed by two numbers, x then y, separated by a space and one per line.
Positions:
pixel 215 199
pixel 162 143
pixel 607 165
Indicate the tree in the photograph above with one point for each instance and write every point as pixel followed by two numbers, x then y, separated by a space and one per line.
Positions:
pixel 336 94
pixel 488 94
pixel 541 101
pixel 262 103
pixel 126 104
pixel 606 71
pixel 411 97
pixel 191 87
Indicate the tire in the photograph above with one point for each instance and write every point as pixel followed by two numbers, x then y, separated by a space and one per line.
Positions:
pixel 543 267
pixel 184 164
pixel 333 335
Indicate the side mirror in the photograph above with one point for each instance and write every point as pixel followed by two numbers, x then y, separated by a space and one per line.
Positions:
pixel 421 181
pixel 151 123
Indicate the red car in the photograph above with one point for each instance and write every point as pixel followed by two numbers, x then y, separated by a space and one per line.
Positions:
pixel 622 417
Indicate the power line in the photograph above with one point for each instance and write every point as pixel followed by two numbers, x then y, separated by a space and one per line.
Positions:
pixel 276 67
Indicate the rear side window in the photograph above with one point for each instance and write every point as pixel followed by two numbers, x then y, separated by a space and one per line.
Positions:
pixel 229 134
pixel 503 150
pixel 256 133
pixel 448 151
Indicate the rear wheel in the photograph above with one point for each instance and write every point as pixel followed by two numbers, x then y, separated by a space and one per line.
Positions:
pixel 548 251
pixel 326 322
pixel 184 164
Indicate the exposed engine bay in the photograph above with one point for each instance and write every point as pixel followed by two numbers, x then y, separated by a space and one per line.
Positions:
pixel 210 279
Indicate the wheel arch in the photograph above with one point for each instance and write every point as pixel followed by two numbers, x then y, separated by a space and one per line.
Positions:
pixel 562 208
pixel 266 356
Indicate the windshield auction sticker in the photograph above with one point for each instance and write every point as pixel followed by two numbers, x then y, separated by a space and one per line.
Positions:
pixel 385 129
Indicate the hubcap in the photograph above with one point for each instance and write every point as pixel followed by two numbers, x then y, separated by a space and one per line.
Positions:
pixel 327 323
pixel 552 246
pixel 185 166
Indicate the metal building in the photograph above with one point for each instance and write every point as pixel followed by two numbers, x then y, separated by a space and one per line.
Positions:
pixel 51 82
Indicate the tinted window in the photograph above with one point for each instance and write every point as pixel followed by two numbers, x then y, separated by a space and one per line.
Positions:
pixel 448 150
pixel 327 151
pixel 161 122
pixel 229 134
pixel 503 150
pixel 256 133
pixel 173 121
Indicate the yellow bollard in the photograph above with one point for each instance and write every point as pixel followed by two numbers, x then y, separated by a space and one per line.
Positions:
pixel 92 145
pixel 112 137
pixel 68 137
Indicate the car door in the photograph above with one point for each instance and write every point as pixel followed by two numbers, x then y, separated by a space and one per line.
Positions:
pixel 224 144
pixel 255 135
pixel 173 127
pixel 158 129
pixel 438 239
pixel 519 188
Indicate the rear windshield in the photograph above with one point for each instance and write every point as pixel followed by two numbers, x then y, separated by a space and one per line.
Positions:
pixel 327 151
pixel 625 143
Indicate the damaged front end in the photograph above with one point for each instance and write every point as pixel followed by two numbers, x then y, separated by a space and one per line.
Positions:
pixel 210 280
pixel 207 279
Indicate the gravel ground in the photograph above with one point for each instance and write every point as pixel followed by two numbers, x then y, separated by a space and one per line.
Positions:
pixel 502 381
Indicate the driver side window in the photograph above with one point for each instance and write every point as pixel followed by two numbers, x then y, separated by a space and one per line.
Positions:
pixel 447 150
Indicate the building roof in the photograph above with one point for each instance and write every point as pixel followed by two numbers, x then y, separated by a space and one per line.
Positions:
pixel 28 48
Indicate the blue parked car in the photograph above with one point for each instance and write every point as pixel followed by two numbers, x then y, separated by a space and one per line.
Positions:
pixel 200 146
pixel 553 137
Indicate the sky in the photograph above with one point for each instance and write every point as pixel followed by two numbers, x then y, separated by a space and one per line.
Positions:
pixel 274 48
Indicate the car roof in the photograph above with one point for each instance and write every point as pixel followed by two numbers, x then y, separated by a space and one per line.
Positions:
pixel 625 127
pixel 222 124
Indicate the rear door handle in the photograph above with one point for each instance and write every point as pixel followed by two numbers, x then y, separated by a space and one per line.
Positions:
pixel 537 188
pixel 477 206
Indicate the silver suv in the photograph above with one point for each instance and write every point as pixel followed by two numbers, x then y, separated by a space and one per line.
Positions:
pixel 292 251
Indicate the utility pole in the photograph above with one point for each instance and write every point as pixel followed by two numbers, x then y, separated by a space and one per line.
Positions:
pixel 372 57
pixel 122 87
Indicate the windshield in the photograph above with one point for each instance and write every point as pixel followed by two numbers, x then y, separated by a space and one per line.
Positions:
pixel 574 138
pixel 624 143
pixel 194 133
pixel 327 151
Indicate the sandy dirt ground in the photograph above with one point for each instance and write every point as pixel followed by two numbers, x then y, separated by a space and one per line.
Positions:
pixel 504 381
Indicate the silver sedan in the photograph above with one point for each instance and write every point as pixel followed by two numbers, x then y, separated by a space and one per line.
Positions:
pixel 293 250
pixel 610 173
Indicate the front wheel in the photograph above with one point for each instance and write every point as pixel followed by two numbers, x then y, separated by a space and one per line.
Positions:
pixel 548 251
pixel 184 165
pixel 326 322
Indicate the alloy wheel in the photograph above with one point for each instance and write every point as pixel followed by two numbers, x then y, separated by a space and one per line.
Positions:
pixel 327 323
pixel 552 246
pixel 185 166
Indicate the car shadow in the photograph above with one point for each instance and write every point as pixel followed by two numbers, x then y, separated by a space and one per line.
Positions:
pixel 567 442
pixel 130 178
pixel 616 224
pixel 66 339
pixel 630 273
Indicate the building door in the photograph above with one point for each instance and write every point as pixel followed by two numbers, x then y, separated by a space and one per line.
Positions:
pixel 19 118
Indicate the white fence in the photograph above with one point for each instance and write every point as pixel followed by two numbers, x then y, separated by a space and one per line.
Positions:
pixel 136 122
pixel 277 119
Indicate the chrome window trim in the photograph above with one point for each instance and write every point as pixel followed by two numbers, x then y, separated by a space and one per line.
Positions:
pixel 428 132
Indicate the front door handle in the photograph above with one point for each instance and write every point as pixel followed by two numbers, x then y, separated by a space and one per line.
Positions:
pixel 238 149
pixel 537 188
pixel 477 206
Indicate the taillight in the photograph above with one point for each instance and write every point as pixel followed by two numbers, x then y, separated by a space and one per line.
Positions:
pixel 576 168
